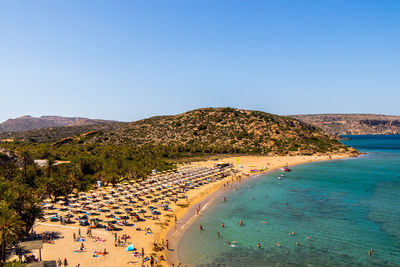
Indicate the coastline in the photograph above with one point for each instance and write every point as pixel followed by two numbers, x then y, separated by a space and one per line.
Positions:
pixel 206 196
pixel 164 228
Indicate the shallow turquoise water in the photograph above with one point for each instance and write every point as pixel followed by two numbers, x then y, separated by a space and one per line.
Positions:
pixel 346 207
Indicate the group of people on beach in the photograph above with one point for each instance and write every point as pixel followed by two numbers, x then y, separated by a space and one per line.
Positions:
pixel 113 207
pixel 65 262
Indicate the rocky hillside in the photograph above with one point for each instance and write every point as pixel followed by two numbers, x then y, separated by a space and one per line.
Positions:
pixel 225 130
pixel 342 124
pixel 52 134
pixel 26 123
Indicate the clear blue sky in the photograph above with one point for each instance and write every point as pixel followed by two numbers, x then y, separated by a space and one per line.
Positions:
pixel 127 60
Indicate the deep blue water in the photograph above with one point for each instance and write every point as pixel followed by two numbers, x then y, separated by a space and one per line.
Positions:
pixel 345 207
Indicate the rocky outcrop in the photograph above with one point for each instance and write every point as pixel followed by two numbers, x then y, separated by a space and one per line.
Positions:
pixel 349 124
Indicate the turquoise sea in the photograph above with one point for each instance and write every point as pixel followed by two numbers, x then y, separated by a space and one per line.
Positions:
pixel 345 207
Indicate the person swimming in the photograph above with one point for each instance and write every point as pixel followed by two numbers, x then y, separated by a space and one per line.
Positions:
pixel 234 244
pixel 258 245
pixel 370 252
pixel 222 225
pixel 276 243
pixel 241 223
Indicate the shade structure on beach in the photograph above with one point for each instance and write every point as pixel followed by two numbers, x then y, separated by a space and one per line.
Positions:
pixel 130 247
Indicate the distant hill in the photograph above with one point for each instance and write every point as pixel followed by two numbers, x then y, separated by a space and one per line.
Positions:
pixel 26 123
pixel 51 128
pixel 342 124
pixel 224 130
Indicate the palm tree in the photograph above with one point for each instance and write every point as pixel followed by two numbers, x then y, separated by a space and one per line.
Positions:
pixel 50 163
pixel 26 159
pixel 10 227
pixel 10 170
pixel 31 211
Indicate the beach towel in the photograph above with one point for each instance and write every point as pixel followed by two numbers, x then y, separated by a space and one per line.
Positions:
pixel 146 259
pixel 98 254
pixel 136 254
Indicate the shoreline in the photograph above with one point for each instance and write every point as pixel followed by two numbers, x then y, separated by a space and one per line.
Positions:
pixel 164 227
pixel 187 216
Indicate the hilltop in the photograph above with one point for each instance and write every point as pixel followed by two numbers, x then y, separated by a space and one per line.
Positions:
pixel 342 124
pixel 26 123
pixel 224 130
pixel 52 128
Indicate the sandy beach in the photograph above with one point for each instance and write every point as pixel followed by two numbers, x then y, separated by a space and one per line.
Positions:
pixel 165 227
